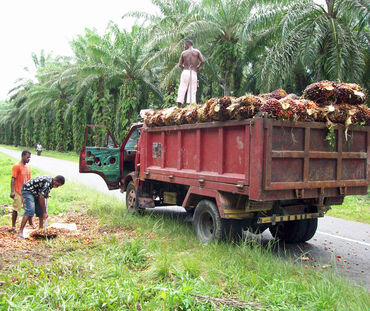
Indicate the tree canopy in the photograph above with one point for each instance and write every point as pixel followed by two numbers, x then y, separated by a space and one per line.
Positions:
pixel 250 46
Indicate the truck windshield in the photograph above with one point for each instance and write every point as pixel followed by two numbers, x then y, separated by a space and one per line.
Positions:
pixel 133 140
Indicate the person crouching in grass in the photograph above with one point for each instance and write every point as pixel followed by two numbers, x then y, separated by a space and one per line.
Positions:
pixel 21 173
pixel 34 193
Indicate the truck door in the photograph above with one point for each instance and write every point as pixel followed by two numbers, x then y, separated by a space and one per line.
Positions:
pixel 101 155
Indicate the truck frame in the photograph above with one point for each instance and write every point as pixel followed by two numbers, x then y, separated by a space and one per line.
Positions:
pixel 230 176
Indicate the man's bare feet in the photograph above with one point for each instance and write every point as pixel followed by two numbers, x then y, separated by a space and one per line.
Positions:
pixel 33 226
pixel 19 235
pixel 12 229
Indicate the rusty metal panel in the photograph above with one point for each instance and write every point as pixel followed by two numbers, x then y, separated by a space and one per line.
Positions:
pixel 188 150
pixel 356 142
pixel 286 170
pixel 353 169
pixel 322 166
pixel 209 155
pixel 220 150
pixel 247 129
pixel 180 150
pixel 322 169
pixel 154 145
pixel 288 138
pixel 234 150
pixel 256 160
pixel 318 140
pixel 172 148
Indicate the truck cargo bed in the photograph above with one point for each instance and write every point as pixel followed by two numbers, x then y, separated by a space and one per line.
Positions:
pixel 262 158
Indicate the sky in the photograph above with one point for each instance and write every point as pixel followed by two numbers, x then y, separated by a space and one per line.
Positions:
pixel 28 26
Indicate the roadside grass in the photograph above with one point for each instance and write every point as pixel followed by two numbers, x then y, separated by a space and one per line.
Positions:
pixel 154 262
pixel 69 155
pixel 355 208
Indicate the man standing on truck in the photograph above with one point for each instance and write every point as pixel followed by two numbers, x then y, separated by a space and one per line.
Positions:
pixel 20 175
pixel 189 81
pixel 34 193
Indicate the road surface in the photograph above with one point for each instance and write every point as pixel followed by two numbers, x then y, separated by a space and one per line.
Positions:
pixel 340 243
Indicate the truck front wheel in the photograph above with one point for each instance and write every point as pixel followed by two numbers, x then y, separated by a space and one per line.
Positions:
pixel 207 221
pixel 295 231
pixel 131 198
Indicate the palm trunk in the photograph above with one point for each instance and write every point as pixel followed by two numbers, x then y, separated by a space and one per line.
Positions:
pixel 226 83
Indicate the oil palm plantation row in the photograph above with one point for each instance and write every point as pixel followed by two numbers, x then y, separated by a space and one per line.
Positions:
pixel 249 46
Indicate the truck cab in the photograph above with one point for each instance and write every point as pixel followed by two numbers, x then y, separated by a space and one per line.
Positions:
pixel 101 155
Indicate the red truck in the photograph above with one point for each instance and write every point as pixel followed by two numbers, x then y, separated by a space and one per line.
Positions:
pixel 253 174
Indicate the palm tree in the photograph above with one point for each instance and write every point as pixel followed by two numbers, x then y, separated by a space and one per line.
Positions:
pixel 330 42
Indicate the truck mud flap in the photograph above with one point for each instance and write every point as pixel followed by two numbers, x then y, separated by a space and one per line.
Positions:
pixel 275 218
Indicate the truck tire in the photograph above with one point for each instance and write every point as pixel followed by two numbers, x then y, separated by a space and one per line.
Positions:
pixel 290 231
pixel 131 202
pixel 207 222
pixel 311 229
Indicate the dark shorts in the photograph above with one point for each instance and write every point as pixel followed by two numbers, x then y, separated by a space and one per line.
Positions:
pixel 31 204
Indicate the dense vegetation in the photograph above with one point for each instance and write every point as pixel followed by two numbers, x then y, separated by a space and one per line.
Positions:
pixel 250 46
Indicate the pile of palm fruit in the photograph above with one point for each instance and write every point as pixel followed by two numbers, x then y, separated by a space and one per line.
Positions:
pixel 324 101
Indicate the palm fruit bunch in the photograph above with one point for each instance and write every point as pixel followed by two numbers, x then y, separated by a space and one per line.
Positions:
pixel 148 118
pixel 203 110
pixel 41 234
pixel 361 115
pixel 169 115
pixel 273 108
pixel 244 107
pixel 190 114
pixel 298 109
pixel 329 92
pixel 341 113
pixel 310 109
pixel 218 110
pixel 277 94
pixel 350 93
pixel 322 93
pixel 154 118
pixel 292 96
pixel 324 101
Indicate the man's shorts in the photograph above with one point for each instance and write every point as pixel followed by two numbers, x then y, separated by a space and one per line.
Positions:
pixel 31 204
pixel 17 202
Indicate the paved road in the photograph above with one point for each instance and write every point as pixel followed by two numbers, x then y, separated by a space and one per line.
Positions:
pixel 340 243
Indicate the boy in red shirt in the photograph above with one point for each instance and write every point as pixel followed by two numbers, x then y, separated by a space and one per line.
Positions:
pixel 20 175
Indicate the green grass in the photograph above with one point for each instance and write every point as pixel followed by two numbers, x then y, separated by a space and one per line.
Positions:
pixel 69 155
pixel 355 208
pixel 158 266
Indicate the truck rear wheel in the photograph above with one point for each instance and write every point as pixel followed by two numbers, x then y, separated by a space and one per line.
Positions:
pixel 311 229
pixel 207 222
pixel 295 231
pixel 131 196
pixel 209 226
